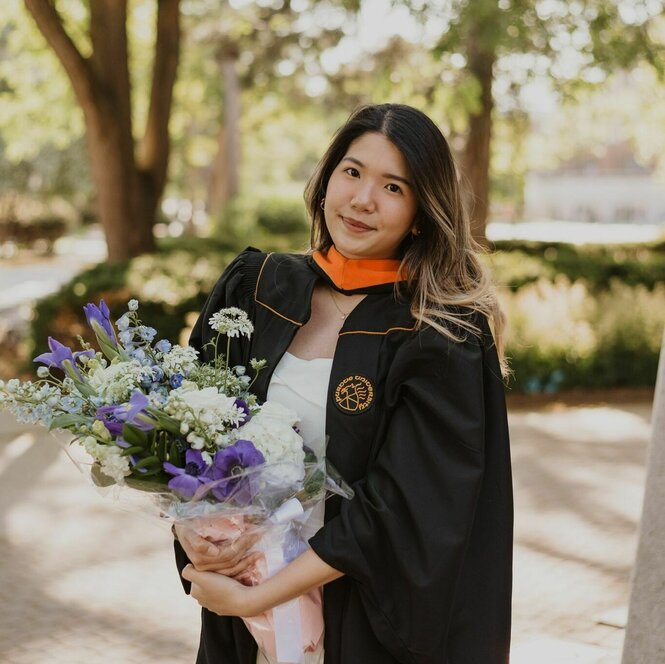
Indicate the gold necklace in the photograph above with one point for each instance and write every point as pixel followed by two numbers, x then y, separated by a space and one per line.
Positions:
pixel 341 313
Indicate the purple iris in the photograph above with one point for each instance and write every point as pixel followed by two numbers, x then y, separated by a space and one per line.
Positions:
pixel 99 319
pixel 61 356
pixel 228 471
pixel 114 417
pixel 107 415
pixel 188 479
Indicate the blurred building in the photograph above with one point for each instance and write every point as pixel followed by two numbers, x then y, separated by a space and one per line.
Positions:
pixel 611 188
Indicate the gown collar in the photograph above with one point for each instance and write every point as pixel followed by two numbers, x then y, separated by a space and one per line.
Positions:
pixel 356 275
pixel 285 284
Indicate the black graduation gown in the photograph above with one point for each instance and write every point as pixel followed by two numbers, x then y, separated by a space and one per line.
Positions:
pixel 417 424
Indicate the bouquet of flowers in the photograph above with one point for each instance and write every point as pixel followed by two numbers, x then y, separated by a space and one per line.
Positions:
pixel 151 417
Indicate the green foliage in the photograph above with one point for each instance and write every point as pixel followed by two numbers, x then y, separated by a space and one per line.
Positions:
pixel 564 331
pixel 518 262
pixel 283 216
pixel 272 222
pixel 561 335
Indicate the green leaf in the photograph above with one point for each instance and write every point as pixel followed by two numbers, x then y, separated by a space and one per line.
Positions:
pixel 67 420
pixel 99 478
pixel 132 450
pixel 148 461
pixel 174 454
pixel 134 436
pixel 165 422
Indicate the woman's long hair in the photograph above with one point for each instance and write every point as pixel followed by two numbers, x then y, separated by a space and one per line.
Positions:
pixel 448 283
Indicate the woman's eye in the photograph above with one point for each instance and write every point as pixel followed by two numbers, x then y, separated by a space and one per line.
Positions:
pixel 353 172
pixel 396 189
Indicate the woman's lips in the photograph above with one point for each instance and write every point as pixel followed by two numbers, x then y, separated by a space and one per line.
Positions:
pixel 355 225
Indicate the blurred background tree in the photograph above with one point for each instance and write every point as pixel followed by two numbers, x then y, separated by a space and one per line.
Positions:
pixel 572 43
pixel 261 86
pixel 129 173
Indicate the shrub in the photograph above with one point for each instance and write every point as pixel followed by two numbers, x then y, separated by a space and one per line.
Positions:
pixel 562 335
pixel 598 265
pixel 282 216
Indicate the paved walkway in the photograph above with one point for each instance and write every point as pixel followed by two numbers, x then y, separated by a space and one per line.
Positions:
pixel 84 583
pixel 27 277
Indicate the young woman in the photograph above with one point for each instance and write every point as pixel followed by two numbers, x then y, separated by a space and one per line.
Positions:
pixel 382 335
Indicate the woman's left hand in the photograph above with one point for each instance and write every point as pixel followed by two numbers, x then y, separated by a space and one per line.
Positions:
pixel 221 594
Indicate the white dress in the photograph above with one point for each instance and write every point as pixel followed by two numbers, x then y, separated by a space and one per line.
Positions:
pixel 303 386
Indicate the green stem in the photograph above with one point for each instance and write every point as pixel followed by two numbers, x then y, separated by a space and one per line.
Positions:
pixel 226 372
pixel 256 375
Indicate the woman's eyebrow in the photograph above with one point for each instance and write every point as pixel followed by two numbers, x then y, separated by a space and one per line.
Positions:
pixel 389 176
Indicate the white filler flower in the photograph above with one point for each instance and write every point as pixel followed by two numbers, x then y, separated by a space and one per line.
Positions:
pixel 110 458
pixel 115 383
pixel 179 360
pixel 232 322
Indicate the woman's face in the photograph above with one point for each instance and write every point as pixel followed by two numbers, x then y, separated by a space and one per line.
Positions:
pixel 370 202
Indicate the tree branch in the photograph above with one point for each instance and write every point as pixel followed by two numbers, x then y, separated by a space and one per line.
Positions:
pixel 76 66
pixel 154 149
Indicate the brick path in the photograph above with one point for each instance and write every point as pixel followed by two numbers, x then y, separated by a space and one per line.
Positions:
pixel 81 582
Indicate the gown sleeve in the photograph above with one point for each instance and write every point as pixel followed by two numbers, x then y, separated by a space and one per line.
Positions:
pixel 402 538
pixel 233 289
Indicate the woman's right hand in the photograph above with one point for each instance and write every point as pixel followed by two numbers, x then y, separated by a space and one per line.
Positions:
pixel 230 558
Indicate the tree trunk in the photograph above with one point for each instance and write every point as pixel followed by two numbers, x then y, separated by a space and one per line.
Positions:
pixel 118 189
pixel 225 178
pixel 476 157
pixel 128 184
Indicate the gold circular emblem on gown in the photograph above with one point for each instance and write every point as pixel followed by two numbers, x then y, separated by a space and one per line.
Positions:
pixel 354 394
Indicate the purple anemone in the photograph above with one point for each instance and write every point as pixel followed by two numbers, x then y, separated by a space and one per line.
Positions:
pixel 228 471
pixel 188 479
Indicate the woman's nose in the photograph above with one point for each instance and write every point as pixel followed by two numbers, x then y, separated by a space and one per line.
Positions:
pixel 363 197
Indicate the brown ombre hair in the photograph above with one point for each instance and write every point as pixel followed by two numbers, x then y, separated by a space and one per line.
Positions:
pixel 447 281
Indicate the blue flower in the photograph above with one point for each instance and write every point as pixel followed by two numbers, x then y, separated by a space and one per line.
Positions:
pixel 163 345
pixel 123 322
pixel 126 336
pixel 158 393
pixel 146 333
pixel 139 354
pixel 176 380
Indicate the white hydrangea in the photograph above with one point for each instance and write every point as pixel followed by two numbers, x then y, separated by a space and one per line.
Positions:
pixel 110 459
pixel 232 322
pixel 271 430
pixel 179 360
pixel 115 383
pixel 206 415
